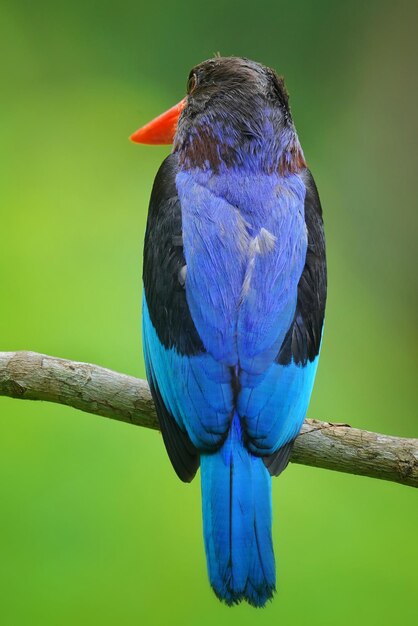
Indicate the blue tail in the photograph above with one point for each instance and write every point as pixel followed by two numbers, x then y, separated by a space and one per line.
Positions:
pixel 236 498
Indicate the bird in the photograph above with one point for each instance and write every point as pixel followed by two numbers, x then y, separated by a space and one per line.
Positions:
pixel 234 293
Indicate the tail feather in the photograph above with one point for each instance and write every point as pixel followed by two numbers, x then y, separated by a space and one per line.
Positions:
pixel 236 496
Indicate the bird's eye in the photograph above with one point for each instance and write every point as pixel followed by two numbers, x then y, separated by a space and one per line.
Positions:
pixel 192 83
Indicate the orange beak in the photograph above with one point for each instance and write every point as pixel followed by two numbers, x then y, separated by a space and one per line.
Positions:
pixel 161 130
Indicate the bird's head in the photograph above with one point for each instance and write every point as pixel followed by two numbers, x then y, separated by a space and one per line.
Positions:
pixel 235 114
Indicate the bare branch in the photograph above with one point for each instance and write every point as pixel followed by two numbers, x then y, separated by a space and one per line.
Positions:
pixel 94 389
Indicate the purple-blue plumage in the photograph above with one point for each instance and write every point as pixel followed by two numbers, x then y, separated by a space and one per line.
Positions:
pixel 245 244
pixel 235 285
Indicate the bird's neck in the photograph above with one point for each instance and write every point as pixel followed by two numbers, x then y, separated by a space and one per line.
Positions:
pixel 253 144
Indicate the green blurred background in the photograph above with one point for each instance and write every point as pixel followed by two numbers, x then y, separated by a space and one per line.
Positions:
pixel 94 526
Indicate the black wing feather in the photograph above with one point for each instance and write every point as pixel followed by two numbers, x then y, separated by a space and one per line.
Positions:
pixel 303 338
pixel 277 462
pixel 164 263
pixel 182 453
pixel 163 276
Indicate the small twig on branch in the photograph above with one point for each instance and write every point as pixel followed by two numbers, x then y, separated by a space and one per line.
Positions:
pixel 94 389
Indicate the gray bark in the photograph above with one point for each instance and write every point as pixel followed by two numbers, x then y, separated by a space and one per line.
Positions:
pixel 97 390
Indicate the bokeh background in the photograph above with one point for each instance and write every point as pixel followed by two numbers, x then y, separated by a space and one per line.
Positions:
pixel 94 526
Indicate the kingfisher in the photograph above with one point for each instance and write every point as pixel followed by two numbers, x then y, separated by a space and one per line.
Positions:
pixel 234 291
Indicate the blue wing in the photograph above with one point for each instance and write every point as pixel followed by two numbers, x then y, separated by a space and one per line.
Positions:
pixel 275 405
pixel 196 389
pixel 192 391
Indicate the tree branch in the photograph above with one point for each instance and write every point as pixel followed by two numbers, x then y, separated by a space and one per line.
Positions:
pixel 94 389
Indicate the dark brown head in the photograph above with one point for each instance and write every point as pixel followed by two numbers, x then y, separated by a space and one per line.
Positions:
pixel 233 83
pixel 236 113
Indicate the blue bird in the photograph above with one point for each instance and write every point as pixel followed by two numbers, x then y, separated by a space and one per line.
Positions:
pixel 233 307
